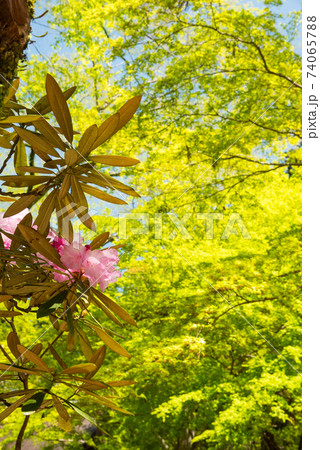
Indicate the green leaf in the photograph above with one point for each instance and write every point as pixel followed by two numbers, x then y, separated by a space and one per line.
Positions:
pixel 50 306
pixel 85 415
pixel 33 404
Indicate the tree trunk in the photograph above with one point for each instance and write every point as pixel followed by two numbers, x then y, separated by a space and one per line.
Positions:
pixel 15 16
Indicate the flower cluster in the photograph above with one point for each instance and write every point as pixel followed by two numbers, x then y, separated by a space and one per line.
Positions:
pixel 97 266
pixel 9 224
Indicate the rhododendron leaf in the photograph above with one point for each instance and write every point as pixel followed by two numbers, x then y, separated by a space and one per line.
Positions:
pixel 20 119
pixel 19 205
pixel 86 142
pixel 109 182
pixel 49 133
pixel 35 170
pixel 53 163
pixel 19 369
pixel 16 241
pixel 33 403
pixel 41 154
pixel 4 143
pixel 24 180
pixel 45 211
pixel 20 157
pixel 77 193
pixel 13 341
pixel 35 359
pixel 71 341
pixel 9 313
pixel 40 244
pixel 65 425
pixel 43 107
pixel 97 359
pixel 36 348
pixel 115 307
pixel 60 408
pixel 113 160
pixel 57 357
pixel 16 393
pixel 59 107
pixel 6 199
pixel 5 297
pixel 65 186
pixel 36 141
pixel 108 313
pixel 85 344
pixel 71 156
pixel 111 343
pixel 102 195
pixel 12 90
pixel 15 405
pixel 99 241
pixel 107 129
pixel 85 416
pixel 53 304
pixel 70 321
pixel 80 368
pixel 127 110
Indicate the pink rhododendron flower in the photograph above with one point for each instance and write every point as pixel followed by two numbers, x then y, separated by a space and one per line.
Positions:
pixel 9 224
pixel 97 266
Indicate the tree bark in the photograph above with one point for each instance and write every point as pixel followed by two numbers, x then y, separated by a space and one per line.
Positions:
pixel 15 17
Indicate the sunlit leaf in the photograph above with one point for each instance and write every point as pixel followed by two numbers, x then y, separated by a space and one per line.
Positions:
pixel 80 368
pixel 59 107
pixel 36 141
pixel 113 160
pixel 111 343
pixel 35 359
pixel 15 405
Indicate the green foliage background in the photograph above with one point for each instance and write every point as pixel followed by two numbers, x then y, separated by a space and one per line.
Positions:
pixel 217 353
